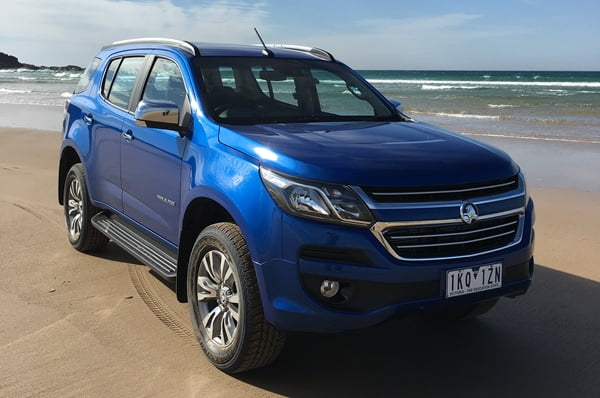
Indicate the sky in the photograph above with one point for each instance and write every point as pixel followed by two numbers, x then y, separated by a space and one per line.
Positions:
pixel 376 34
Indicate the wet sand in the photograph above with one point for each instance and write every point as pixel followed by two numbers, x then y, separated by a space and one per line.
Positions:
pixel 103 325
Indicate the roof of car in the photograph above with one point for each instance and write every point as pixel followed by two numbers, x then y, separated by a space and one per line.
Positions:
pixel 227 50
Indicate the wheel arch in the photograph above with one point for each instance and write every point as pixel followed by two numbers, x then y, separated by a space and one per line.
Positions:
pixel 68 158
pixel 199 214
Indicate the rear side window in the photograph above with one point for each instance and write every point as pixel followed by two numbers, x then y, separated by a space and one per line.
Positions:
pixel 86 76
pixel 121 87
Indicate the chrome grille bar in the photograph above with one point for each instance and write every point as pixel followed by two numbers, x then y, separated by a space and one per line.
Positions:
pixel 396 237
pixel 442 191
pixel 455 243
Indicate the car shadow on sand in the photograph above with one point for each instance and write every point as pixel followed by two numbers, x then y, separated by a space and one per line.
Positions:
pixel 546 343
pixel 115 253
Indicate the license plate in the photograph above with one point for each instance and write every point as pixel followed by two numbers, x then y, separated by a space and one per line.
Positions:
pixel 473 280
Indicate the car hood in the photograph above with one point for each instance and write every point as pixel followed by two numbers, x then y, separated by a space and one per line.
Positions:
pixel 370 153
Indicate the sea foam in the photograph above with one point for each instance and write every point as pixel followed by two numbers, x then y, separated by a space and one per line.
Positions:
pixel 458 115
pixel 484 83
pixel 11 91
pixel 447 87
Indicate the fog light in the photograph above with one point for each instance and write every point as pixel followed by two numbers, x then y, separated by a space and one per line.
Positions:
pixel 329 288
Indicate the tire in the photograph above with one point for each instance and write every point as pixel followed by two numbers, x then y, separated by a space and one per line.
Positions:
pixel 79 212
pixel 468 311
pixel 225 304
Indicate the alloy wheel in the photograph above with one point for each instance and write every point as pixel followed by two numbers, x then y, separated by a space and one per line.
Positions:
pixel 218 299
pixel 75 209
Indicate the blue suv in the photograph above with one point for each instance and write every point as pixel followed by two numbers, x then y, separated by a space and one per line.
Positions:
pixel 281 192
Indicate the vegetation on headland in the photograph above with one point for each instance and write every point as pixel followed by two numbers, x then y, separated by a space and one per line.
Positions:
pixel 11 62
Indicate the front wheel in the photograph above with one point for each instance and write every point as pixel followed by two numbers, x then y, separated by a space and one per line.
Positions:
pixel 79 212
pixel 225 304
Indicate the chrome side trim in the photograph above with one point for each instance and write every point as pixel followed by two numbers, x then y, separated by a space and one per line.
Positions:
pixel 379 228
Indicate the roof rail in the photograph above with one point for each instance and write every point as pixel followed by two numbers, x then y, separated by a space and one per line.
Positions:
pixel 317 52
pixel 182 45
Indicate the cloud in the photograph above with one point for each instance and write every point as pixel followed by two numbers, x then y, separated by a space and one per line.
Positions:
pixel 448 40
pixel 69 31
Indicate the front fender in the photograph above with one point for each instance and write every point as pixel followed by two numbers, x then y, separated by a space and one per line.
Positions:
pixel 230 180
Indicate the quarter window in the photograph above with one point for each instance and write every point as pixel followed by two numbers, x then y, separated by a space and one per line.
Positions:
pixel 86 76
pixel 110 75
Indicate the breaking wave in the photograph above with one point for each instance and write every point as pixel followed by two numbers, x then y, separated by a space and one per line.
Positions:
pixel 472 83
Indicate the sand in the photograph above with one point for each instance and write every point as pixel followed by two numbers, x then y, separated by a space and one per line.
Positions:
pixel 102 325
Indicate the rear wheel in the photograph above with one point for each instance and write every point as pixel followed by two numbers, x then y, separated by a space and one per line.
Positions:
pixel 225 304
pixel 79 212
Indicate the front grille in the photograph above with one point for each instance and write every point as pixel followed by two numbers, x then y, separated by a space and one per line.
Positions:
pixel 441 192
pixel 452 240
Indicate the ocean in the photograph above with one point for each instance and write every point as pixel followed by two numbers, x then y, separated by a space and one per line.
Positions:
pixel 561 106
pixel 36 87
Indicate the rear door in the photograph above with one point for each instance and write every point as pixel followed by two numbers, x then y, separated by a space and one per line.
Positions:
pixel 106 119
pixel 151 158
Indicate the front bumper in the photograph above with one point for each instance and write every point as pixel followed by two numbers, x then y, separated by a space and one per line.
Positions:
pixel 378 286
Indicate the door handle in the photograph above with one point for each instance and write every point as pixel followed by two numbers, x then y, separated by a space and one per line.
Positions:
pixel 88 119
pixel 127 136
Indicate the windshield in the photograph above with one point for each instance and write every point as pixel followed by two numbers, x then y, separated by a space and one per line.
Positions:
pixel 242 90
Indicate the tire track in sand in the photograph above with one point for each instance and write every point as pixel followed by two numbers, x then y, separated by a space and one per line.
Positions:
pixel 144 283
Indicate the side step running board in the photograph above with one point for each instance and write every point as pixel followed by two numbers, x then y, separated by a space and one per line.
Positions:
pixel 137 242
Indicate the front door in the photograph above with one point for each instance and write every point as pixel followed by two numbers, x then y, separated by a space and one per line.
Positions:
pixel 151 159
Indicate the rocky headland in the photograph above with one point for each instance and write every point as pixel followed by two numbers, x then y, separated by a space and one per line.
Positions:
pixel 11 62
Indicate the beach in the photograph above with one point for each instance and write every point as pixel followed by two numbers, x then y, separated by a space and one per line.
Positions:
pixel 103 325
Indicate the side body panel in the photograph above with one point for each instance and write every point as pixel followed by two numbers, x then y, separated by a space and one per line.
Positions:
pixel 104 164
pixel 151 178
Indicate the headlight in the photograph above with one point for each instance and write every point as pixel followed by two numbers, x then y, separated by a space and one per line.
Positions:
pixel 527 197
pixel 524 180
pixel 316 200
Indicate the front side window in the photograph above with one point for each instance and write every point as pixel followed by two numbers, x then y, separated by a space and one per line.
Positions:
pixel 270 90
pixel 119 91
pixel 165 83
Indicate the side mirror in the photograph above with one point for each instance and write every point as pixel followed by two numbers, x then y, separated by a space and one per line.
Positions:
pixel 397 105
pixel 158 114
